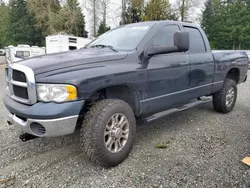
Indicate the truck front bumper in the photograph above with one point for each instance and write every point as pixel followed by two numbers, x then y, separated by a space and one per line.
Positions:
pixel 44 119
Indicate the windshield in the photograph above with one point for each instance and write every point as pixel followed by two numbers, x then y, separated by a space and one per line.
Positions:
pixel 123 38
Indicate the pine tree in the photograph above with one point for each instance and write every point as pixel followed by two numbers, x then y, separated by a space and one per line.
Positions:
pixel 227 24
pixel 73 19
pixel 159 10
pixel 134 11
pixel 46 13
pixel 21 27
pixel 103 28
pixel 4 19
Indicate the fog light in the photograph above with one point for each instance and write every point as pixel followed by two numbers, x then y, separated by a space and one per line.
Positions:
pixel 37 129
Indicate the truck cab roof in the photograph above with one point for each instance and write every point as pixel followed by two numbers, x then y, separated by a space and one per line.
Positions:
pixel 152 23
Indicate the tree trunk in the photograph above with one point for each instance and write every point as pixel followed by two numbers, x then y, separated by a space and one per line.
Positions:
pixel 104 12
pixel 94 18
pixel 183 10
pixel 123 11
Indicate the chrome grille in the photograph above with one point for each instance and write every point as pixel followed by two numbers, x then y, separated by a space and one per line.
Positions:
pixel 20 83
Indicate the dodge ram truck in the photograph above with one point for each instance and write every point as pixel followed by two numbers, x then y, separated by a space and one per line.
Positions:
pixel 141 71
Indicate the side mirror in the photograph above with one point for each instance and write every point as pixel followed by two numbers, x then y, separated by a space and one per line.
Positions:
pixel 162 50
pixel 182 41
pixel 181 44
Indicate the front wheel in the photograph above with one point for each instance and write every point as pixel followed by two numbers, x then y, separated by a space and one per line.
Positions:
pixel 108 131
pixel 224 101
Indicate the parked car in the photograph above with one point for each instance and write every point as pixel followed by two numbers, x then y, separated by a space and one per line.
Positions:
pixel 2 52
pixel 138 71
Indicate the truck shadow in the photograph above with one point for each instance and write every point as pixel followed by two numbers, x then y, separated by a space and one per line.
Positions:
pixel 146 134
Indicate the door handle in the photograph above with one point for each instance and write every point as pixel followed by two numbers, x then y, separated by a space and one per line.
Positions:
pixel 184 63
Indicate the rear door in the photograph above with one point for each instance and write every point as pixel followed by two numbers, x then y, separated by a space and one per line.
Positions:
pixel 202 64
pixel 167 74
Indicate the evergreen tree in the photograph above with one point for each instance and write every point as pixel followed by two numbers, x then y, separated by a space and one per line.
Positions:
pixel 4 20
pixel 227 24
pixel 46 13
pixel 81 32
pixel 159 10
pixel 73 19
pixel 134 11
pixel 21 27
pixel 103 28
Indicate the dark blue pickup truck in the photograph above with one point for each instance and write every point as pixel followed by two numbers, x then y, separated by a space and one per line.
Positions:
pixel 138 71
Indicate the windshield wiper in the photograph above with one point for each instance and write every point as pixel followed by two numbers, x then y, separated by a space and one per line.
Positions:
pixel 104 46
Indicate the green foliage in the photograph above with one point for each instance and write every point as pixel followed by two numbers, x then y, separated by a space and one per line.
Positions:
pixel 73 19
pixel 21 28
pixel 159 10
pixel 134 12
pixel 103 28
pixel 46 13
pixel 153 10
pixel 227 23
pixel 4 20
pixel 30 21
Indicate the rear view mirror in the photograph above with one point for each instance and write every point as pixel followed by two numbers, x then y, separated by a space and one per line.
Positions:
pixel 181 40
pixel 181 44
pixel 162 50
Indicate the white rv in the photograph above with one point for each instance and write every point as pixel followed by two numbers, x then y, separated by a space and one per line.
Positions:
pixel 63 43
pixel 21 52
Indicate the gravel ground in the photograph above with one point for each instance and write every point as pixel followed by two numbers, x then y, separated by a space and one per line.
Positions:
pixel 2 60
pixel 205 149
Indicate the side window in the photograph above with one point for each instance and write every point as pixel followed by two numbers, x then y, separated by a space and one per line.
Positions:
pixel 19 53
pixel 165 37
pixel 196 41
pixel 22 53
pixel 26 54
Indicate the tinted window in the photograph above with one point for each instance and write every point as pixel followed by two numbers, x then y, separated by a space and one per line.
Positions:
pixel 165 37
pixel 19 53
pixel 196 41
pixel 26 54
pixel 72 47
pixel 22 53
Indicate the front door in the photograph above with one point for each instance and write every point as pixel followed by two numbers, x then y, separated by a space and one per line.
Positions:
pixel 167 75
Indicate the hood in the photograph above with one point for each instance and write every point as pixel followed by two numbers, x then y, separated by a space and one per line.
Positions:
pixel 51 62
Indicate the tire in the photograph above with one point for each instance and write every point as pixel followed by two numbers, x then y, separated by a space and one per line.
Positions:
pixel 222 101
pixel 99 120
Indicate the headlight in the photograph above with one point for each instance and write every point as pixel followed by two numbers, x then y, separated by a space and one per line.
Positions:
pixel 56 92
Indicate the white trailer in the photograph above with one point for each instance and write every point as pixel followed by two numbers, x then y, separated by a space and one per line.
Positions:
pixel 21 52
pixel 63 43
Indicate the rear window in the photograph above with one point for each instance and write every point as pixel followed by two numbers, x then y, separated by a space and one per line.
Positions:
pixel 22 53
pixel 197 44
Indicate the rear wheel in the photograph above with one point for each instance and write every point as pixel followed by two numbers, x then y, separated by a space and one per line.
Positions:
pixel 224 101
pixel 107 132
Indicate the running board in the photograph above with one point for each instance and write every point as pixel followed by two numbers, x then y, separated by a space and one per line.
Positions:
pixel 174 110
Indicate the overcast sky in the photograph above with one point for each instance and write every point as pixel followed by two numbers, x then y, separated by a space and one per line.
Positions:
pixel 114 13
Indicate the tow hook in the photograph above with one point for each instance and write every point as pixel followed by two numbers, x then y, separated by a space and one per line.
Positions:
pixel 26 137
